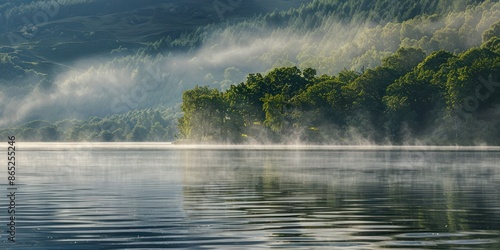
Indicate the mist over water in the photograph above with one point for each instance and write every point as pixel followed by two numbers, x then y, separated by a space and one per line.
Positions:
pixel 216 197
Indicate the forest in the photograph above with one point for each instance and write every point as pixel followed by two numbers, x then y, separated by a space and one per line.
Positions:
pixel 342 81
pixel 155 125
pixel 442 99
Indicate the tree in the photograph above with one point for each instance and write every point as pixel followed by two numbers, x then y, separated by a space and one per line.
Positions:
pixel 275 113
pixel 413 100
pixel 494 31
pixel 205 113
pixel 323 102
pixel 287 81
pixel 245 101
pixel 493 44
pixel 464 75
pixel 139 133
pixel 309 74
pixel 404 60
pixel 118 135
pixel 49 133
pixel 157 132
pixel 106 136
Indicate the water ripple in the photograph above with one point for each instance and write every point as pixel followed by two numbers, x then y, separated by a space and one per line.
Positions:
pixel 257 200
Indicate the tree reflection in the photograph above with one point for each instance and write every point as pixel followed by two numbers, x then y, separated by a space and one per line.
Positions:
pixel 365 196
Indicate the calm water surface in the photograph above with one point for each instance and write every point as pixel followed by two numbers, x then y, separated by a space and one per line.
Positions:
pixel 251 199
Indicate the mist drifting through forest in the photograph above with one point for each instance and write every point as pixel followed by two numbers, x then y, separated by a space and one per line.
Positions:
pixel 126 80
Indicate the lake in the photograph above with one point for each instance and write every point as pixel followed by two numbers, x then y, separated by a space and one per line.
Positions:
pixel 144 196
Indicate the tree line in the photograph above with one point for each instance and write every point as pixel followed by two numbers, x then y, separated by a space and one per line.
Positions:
pixel 440 98
pixel 156 124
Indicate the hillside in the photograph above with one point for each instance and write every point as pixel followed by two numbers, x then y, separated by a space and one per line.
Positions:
pixel 132 56
pixel 56 33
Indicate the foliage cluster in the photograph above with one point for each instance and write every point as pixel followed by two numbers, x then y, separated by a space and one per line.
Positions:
pixel 156 124
pixel 410 95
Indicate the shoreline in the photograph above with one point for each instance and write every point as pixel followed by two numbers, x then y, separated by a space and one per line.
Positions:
pixel 160 146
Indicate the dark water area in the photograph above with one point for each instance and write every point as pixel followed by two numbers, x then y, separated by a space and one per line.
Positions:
pixel 255 199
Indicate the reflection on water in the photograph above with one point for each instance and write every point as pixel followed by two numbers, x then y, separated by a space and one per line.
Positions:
pixel 240 199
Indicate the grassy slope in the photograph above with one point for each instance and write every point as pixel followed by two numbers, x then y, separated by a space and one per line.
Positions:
pixel 137 25
pixel 78 31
